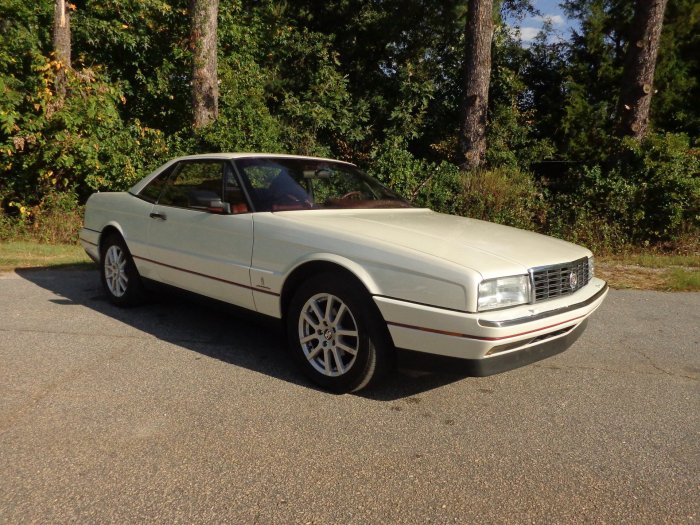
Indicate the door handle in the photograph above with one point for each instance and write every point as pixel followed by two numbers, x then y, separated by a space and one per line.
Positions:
pixel 156 215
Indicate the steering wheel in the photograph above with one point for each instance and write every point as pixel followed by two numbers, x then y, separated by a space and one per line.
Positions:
pixel 353 194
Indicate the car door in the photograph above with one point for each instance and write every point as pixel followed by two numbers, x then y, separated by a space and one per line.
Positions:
pixel 200 236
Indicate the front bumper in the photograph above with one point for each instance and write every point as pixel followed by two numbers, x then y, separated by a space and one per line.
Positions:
pixel 496 337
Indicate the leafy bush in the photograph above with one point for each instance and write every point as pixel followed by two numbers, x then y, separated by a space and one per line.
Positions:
pixel 77 143
pixel 55 150
pixel 506 196
pixel 665 175
pixel 574 218
pixel 244 123
pixel 512 139
pixel 11 228
pixel 503 195
pixel 55 220
pixel 428 184
pixel 648 193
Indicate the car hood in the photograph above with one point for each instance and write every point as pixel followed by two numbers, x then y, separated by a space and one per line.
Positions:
pixel 488 248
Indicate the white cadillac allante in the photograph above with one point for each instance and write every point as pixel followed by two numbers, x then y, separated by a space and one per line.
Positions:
pixel 353 270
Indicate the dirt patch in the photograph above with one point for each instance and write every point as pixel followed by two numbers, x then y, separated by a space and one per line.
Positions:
pixel 634 277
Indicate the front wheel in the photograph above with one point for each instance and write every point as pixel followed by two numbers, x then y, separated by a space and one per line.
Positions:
pixel 120 278
pixel 336 334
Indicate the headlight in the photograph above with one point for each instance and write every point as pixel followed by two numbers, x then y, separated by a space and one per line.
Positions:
pixel 504 291
pixel 591 268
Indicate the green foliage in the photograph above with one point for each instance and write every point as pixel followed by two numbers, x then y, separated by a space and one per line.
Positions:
pixel 587 73
pixel 281 89
pixel 510 140
pixel 677 77
pixel 376 83
pixel 503 195
pixel 314 102
pixel 402 62
pixel 79 142
pixel 591 79
pixel 506 196
pixel 580 218
pixel 11 227
pixel 681 279
pixel 649 193
pixel 56 219
pixel 427 184
pixel 666 176
pixel 143 45
pixel 245 122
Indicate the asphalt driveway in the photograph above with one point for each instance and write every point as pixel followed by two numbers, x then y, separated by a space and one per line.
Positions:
pixel 180 412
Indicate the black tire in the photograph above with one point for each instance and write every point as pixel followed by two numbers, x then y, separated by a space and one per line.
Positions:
pixel 120 278
pixel 320 335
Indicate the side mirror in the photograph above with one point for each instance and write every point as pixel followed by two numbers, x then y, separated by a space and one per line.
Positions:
pixel 218 206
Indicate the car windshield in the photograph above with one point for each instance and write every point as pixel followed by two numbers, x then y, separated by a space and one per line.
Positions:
pixel 281 184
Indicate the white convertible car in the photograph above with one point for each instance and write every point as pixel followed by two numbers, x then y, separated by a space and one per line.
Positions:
pixel 354 271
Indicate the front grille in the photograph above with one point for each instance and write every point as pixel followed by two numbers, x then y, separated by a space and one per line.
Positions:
pixel 553 281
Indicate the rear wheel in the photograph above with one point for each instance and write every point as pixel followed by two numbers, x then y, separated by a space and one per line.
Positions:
pixel 120 278
pixel 336 334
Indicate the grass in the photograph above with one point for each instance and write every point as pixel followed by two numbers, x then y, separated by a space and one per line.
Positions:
pixel 681 279
pixel 645 271
pixel 642 271
pixel 650 260
pixel 15 255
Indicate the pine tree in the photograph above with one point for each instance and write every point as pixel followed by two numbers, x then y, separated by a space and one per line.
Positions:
pixel 203 39
pixel 640 62
pixel 61 43
pixel 478 33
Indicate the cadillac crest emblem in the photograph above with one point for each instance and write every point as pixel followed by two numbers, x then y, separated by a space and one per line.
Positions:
pixel 573 280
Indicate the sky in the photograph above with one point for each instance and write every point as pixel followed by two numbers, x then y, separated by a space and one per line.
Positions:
pixel 530 26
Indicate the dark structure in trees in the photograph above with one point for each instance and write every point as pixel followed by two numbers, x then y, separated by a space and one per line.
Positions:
pixel 477 72
pixel 640 62
pixel 61 42
pixel 205 89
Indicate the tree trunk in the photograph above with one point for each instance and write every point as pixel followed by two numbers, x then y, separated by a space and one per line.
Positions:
pixel 61 43
pixel 478 34
pixel 638 72
pixel 205 88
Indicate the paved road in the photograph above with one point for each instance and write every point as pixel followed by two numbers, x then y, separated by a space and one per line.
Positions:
pixel 177 412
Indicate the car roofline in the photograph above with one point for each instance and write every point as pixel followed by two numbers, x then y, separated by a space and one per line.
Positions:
pixel 243 155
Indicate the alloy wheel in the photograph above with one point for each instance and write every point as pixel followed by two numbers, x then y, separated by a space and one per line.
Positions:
pixel 115 271
pixel 328 334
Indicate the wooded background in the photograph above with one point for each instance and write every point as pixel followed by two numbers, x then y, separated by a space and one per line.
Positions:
pixel 592 138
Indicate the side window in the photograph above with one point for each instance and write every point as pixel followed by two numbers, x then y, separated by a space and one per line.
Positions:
pixel 194 185
pixel 233 194
pixel 151 192
pixel 273 186
pixel 261 177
